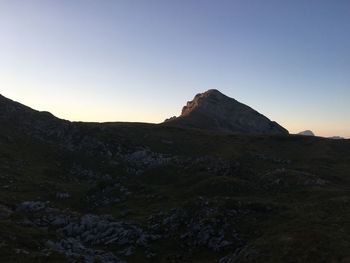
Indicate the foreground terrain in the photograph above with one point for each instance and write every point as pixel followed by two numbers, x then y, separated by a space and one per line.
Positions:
pixel 131 192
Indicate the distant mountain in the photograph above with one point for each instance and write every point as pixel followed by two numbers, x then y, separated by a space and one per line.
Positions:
pixel 336 138
pixel 306 133
pixel 213 110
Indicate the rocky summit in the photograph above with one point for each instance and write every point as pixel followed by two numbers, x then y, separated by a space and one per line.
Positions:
pixel 213 110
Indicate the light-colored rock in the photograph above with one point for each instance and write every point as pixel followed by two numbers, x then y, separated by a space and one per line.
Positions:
pixel 31 206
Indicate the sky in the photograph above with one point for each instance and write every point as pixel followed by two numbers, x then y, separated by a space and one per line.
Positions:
pixel 142 60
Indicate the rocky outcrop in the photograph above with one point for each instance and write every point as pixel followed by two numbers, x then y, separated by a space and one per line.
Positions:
pixel 89 237
pixel 213 110
pixel 200 224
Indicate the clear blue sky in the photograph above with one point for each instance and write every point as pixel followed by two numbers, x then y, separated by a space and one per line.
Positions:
pixel 142 60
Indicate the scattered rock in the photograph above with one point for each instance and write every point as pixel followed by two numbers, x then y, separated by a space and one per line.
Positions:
pixel 62 196
pixel 31 206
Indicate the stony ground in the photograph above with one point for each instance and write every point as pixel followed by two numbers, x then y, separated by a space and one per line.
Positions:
pixel 121 192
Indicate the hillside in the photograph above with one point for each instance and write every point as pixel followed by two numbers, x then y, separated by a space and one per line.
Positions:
pixel 134 192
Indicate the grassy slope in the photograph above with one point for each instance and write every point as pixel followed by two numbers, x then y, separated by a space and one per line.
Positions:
pixel 308 223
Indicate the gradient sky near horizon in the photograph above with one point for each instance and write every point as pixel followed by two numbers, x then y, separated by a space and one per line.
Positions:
pixel 141 60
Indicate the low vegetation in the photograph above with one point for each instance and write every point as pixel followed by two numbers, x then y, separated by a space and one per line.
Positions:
pixel 131 192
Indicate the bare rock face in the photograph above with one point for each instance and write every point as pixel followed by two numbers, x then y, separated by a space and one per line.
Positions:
pixel 213 110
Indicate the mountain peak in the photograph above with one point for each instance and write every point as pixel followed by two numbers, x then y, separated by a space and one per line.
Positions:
pixel 210 93
pixel 213 92
pixel 209 97
pixel 212 110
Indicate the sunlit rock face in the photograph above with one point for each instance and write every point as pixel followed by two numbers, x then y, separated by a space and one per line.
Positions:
pixel 213 110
